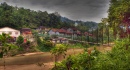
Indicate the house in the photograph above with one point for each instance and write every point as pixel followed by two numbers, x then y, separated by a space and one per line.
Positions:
pixel 27 34
pixel 60 40
pixel 87 34
pixel 62 32
pixel 53 32
pixel 74 32
pixel 41 29
pixel 12 32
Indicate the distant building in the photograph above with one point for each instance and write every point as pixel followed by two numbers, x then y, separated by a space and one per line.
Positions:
pixel 12 32
pixel 53 32
pixel 27 34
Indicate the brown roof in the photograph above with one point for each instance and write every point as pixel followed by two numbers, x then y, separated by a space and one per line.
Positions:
pixel 26 31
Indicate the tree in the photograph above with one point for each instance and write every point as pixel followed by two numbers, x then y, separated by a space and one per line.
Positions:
pixel 20 40
pixel 59 49
pixel 116 14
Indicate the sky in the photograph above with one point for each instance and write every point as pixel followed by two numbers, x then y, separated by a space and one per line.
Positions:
pixel 85 10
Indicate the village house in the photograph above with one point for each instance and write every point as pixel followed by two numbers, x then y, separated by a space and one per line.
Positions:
pixel 62 32
pixel 27 34
pixel 42 30
pixel 73 32
pixel 53 32
pixel 12 32
pixel 60 40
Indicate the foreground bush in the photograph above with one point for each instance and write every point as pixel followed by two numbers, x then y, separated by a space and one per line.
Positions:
pixel 116 59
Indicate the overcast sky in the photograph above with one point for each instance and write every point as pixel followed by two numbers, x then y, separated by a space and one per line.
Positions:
pixel 86 10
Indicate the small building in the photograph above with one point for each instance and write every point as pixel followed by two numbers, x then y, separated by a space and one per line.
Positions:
pixel 27 34
pixel 62 32
pixel 60 40
pixel 12 32
pixel 53 32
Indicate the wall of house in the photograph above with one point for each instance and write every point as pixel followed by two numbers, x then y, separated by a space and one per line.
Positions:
pixel 70 30
pixel 10 31
pixel 51 32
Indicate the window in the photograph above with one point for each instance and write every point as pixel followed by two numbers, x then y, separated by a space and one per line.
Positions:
pixel 10 33
pixel 16 33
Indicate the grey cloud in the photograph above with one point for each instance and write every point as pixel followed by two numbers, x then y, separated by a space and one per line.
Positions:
pixel 86 10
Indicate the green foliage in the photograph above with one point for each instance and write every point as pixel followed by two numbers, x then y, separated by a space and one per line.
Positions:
pixel 48 44
pixel 20 17
pixel 82 61
pixel 59 49
pixel 44 45
pixel 116 59
pixel 116 13
pixel 20 40
pixel 6 46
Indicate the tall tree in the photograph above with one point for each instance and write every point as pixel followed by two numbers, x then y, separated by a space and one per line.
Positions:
pixel 117 12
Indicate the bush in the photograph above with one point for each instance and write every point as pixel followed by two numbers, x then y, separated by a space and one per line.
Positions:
pixel 48 44
pixel 116 59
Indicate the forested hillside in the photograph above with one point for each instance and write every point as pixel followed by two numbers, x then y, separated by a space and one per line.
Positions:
pixel 19 17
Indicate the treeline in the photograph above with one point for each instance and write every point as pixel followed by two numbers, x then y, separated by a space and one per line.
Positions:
pixel 19 17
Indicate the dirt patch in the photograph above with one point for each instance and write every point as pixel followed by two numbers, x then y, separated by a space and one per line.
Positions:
pixel 46 66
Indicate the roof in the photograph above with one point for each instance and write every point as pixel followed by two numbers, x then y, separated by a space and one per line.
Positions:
pixel 55 30
pixel 62 31
pixel 7 29
pixel 26 31
pixel 68 32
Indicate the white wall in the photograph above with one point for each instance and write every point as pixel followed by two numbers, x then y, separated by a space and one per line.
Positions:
pixel 7 30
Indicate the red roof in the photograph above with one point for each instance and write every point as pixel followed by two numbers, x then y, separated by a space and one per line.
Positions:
pixel 62 31
pixel 68 32
pixel 55 30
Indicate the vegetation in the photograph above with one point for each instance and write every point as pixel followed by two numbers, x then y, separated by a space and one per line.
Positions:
pixel 117 58
pixel 20 40
pixel 6 45
pixel 20 17
pixel 58 50
pixel 44 45
pixel 118 15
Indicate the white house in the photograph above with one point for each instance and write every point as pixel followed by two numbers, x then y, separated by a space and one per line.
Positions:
pixel 12 32
pixel 53 32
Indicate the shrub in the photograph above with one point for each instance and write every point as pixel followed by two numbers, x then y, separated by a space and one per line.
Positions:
pixel 48 44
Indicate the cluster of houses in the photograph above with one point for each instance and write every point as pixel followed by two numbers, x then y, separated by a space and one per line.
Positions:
pixel 62 34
